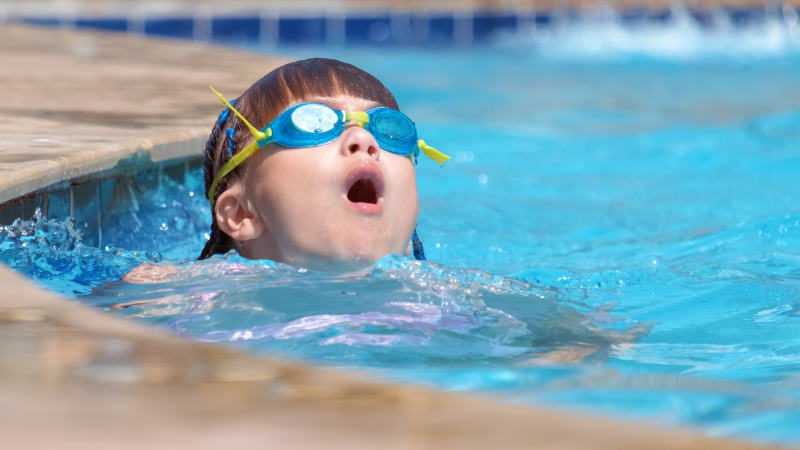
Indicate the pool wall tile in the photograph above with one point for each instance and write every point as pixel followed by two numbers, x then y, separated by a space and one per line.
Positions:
pixel 176 27
pixel 23 208
pixel 58 203
pixel 487 23
pixel 542 19
pixel 236 29
pixel 745 16
pixel 268 30
pixel 644 16
pixel 42 21
pixel 176 172
pixel 106 194
pixel 335 30
pixel 85 208
pixel 301 30
pixel 105 24
pixel 703 18
pixel 361 30
pixel 442 30
pixel 11 211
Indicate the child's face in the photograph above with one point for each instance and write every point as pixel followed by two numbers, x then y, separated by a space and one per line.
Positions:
pixel 337 206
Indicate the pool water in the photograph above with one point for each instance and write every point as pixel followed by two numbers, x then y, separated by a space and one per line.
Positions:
pixel 618 231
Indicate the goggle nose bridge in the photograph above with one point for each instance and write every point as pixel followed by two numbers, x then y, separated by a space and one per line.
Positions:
pixel 359 117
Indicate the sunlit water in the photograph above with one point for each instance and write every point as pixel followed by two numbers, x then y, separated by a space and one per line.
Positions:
pixel 618 231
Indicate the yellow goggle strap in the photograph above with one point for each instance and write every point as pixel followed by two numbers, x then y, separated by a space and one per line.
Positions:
pixel 261 139
pixel 259 135
pixel 432 153
pixel 234 162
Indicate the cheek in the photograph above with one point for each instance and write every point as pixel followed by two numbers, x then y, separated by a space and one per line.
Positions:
pixel 404 198
pixel 408 192
pixel 291 185
pixel 403 176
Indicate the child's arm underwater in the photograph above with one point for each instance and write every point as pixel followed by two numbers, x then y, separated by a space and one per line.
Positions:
pixel 147 274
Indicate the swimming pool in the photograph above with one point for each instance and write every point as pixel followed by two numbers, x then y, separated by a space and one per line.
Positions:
pixel 636 207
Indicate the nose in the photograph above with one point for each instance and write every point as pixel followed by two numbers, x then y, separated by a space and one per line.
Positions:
pixel 357 140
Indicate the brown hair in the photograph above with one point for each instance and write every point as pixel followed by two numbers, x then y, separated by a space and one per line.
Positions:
pixel 262 102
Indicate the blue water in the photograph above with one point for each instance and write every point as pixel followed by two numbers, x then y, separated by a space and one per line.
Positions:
pixel 618 232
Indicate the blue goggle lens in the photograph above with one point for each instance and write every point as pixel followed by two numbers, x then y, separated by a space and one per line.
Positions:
pixel 393 130
pixel 314 118
pixel 307 125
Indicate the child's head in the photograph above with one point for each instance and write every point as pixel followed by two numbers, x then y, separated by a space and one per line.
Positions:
pixel 334 204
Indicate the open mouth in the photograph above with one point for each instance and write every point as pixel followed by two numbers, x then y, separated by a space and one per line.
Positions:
pixel 364 188
pixel 363 191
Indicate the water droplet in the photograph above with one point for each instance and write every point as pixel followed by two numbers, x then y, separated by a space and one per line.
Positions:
pixel 163 226
pixel 483 179
pixel 466 156
pixel 655 260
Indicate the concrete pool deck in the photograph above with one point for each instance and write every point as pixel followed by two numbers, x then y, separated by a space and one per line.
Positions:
pixel 78 102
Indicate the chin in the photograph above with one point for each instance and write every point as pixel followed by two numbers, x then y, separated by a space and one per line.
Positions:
pixel 348 259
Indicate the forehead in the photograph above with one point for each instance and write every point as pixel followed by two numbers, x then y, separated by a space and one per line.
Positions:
pixel 345 102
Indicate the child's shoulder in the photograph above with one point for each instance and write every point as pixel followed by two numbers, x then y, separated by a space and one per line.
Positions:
pixel 152 274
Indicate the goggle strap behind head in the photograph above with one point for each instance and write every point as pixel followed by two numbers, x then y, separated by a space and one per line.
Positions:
pixel 230 165
pixel 416 244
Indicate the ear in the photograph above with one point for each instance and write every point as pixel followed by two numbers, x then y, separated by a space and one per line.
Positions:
pixel 234 215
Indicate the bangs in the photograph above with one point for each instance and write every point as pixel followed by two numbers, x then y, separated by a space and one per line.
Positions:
pixel 309 78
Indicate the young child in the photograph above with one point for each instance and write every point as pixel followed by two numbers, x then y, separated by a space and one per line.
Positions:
pixel 314 166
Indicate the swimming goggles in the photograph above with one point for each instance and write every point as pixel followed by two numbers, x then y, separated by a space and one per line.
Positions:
pixel 315 124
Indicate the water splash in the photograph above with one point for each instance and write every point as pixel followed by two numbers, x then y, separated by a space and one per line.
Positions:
pixel 52 253
pixel 151 218
pixel 677 33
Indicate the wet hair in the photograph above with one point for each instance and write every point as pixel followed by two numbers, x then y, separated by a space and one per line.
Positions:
pixel 262 102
